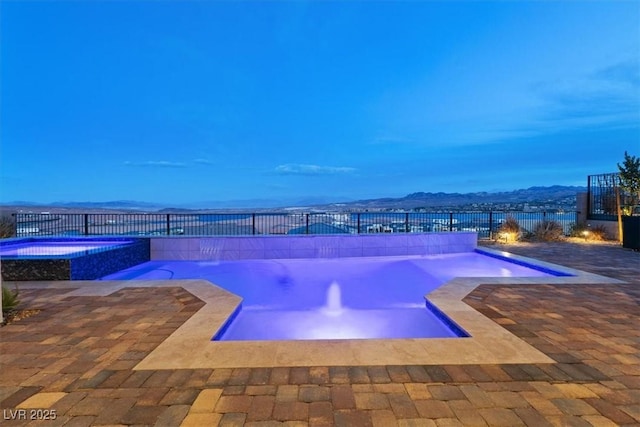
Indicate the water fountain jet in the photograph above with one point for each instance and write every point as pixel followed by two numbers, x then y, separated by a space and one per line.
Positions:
pixel 333 306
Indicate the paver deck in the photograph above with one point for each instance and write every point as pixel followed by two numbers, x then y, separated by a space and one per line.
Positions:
pixel 77 358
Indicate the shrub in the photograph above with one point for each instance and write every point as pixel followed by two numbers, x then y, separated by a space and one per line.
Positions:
pixel 510 229
pixel 599 232
pixel 548 231
pixel 9 299
pixel 577 229
pixel 7 227
pixel 584 231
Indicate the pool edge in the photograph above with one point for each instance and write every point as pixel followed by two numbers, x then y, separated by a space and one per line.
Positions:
pixel 190 346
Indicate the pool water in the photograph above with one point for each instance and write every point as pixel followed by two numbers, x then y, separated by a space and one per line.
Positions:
pixel 50 249
pixel 338 298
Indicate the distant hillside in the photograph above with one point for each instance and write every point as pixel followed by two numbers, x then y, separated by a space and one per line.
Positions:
pixel 115 205
pixel 557 195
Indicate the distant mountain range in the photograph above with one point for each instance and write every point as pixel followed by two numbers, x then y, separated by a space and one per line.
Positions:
pixel 557 194
pixel 132 205
pixel 115 204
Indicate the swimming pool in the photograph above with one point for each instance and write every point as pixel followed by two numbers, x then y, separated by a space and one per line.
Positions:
pixel 337 298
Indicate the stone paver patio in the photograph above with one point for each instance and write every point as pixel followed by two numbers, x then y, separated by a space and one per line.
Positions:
pixel 77 357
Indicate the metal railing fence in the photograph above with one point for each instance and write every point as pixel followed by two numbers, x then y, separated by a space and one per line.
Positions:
pixel 242 224
pixel 601 196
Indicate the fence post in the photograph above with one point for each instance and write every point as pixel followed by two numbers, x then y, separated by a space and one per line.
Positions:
pixel 544 215
pixel 588 200
pixel 168 224
pixel 253 223
pixel 307 229
pixel 358 222
pixel 86 224
pixel 450 221
pixel 15 224
pixel 406 222
pixel 490 225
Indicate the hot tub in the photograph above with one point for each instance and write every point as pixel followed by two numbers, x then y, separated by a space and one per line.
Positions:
pixel 69 258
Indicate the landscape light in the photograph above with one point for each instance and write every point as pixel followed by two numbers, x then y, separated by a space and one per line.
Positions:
pixel 506 236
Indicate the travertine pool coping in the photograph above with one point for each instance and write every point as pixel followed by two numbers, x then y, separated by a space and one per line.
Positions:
pixel 190 346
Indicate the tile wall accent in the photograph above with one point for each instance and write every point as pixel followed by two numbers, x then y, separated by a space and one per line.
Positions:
pixel 85 267
pixel 99 264
pixel 332 246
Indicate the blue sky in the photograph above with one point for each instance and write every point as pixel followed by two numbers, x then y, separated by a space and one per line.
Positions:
pixel 189 102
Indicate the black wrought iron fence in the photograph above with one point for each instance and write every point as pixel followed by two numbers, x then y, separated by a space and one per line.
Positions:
pixel 601 196
pixel 240 224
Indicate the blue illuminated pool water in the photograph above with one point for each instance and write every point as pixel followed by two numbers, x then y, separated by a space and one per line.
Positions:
pixel 366 297
pixel 56 249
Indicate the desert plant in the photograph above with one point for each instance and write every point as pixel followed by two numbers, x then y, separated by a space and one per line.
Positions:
pixel 510 229
pixel 599 232
pixel 585 231
pixel 7 227
pixel 548 231
pixel 10 299
pixel 576 229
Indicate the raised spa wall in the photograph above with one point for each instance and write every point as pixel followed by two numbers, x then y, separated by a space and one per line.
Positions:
pixel 333 246
pixel 86 267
